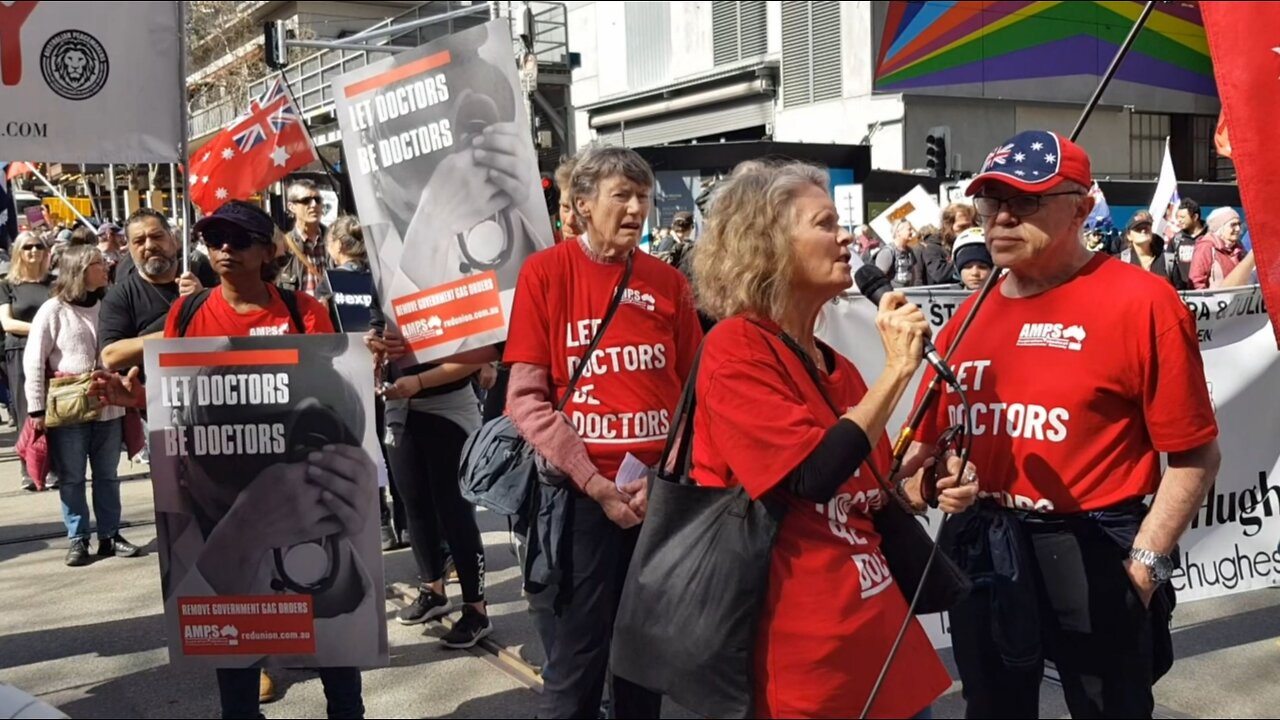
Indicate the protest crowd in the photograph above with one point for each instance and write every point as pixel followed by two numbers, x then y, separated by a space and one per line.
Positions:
pixel 769 257
pixel 709 498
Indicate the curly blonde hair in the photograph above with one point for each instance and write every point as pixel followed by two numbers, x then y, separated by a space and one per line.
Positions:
pixel 745 261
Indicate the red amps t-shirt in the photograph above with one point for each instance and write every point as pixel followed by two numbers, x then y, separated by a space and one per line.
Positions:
pixel 833 609
pixel 216 318
pixel 1076 391
pixel 628 393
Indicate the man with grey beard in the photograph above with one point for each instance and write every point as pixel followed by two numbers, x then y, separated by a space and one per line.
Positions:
pixel 135 308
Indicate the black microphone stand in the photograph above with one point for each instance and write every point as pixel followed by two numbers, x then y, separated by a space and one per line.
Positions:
pixel 900 449
pixel 903 443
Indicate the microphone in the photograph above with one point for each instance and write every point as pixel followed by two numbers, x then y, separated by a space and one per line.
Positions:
pixel 873 284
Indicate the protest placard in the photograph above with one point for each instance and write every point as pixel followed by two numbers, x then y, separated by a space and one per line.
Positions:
pixel 81 82
pixel 445 178
pixel 917 207
pixel 352 298
pixel 266 493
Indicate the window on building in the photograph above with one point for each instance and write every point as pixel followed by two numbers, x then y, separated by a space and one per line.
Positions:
pixel 1147 133
pixel 739 30
pixel 1204 154
pixel 811 67
pixel 648 44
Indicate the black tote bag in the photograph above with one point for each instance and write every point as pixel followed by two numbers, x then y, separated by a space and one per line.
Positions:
pixel 689 616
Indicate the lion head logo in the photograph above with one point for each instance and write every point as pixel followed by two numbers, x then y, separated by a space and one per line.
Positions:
pixel 74 64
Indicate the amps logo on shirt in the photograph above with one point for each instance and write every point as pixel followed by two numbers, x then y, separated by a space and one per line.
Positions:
pixel 270 330
pixel 1053 335
pixel 635 297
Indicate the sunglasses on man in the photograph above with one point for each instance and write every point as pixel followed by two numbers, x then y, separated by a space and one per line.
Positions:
pixel 309 200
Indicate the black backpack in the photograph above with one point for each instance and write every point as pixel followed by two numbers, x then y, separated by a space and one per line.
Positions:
pixel 191 305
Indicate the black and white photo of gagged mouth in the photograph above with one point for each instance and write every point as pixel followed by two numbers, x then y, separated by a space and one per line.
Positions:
pixel 74 64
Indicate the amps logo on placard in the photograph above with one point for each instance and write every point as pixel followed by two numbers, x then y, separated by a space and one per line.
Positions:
pixel 1052 335
pixel 211 636
pixel 74 64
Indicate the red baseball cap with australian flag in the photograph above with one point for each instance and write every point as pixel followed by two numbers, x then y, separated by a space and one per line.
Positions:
pixel 1034 161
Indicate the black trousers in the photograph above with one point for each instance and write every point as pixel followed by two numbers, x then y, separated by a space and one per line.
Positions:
pixel 391 508
pixel 17 386
pixel 238 693
pixel 1093 626
pixel 576 630
pixel 425 467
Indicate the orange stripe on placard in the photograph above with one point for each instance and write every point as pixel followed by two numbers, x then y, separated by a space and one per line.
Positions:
pixel 229 357
pixel 430 62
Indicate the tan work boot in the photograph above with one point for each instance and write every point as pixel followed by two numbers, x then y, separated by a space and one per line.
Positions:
pixel 266 688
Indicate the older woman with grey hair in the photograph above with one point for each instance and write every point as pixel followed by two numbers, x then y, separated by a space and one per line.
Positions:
pixel 618 413
pixel 64 342
pixel 784 416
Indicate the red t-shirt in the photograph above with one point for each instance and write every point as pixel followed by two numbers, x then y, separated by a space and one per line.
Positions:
pixel 833 610
pixel 216 318
pixel 626 397
pixel 1076 391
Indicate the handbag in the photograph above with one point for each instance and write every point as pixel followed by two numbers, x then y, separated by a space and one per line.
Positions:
pixel 713 545
pixel 498 466
pixel 33 449
pixel 904 542
pixel 71 401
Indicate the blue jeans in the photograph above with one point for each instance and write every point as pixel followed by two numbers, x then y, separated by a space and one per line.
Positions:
pixel 75 447
pixel 238 691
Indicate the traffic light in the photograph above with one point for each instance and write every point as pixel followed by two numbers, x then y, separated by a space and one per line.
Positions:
pixel 936 154
pixel 551 194
pixel 277 55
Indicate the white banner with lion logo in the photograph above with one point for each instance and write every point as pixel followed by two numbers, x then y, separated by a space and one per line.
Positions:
pixel 90 83
pixel 1232 545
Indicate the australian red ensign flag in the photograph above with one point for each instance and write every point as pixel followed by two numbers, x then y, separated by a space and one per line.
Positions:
pixel 1245 47
pixel 259 148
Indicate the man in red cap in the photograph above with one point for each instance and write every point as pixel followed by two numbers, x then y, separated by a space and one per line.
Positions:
pixel 1079 372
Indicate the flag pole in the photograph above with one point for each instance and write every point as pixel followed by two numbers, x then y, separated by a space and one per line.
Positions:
pixel 329 170
pixel 1111 70
pixel 58 194
pixel 183 146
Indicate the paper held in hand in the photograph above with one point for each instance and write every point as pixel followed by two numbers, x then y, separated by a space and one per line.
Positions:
pixel 631 470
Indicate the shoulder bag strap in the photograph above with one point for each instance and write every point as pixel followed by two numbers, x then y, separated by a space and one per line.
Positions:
pixel 684 414
pixel 595 341
pixel 187 312
pixel 297 252
pixel 290 300
pixel 812 371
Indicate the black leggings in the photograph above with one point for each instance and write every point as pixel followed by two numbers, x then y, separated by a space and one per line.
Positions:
pixel 390 505
pixel 17 386
pixel 425 467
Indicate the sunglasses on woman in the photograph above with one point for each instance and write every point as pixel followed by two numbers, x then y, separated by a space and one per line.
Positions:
pixel 218 239
pixel 37 248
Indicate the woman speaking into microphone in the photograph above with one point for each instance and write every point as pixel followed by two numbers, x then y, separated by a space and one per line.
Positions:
pixel 782 414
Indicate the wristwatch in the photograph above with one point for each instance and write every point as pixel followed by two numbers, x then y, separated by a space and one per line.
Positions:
pixel 1161 566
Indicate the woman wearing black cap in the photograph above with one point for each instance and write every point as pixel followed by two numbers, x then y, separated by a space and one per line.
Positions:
pixel 240 238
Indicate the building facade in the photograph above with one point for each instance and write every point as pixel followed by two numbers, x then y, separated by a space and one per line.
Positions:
pixel 892 74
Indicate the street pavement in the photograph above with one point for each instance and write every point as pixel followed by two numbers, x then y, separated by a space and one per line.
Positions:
pixel 90 640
